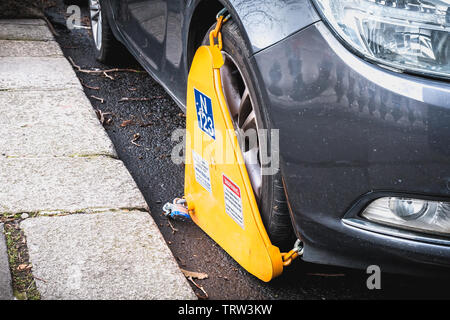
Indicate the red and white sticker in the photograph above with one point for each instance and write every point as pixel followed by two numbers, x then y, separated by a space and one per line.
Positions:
pixel 233 200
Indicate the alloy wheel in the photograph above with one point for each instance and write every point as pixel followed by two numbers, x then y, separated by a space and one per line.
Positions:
pixel 95 12
pixel 244 119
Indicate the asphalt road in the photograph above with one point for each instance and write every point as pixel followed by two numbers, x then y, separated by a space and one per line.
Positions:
pixel 160 180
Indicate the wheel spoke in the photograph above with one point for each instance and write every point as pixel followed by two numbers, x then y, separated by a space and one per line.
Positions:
pixel 254 170
pixel 245 105
pixel 94 31
pixel 250 122
pixel 229 88
pixel 99 31
pixel 96 22
pixel 94 8
pixel 246 118
pixel 95 15
pixel 94 5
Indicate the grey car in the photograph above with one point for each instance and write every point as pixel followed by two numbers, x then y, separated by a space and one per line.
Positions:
pixel 360 94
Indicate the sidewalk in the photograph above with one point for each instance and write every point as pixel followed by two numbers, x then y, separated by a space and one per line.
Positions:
pixel 89 234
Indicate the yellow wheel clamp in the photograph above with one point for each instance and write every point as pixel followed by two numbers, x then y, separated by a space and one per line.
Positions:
pixel 218 192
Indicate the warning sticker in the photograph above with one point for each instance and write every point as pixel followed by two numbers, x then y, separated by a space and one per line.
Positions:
pixel 233 201
pixel 201 168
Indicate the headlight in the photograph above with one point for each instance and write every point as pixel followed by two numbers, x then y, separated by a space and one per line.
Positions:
pixel 412 214
pixel 412 35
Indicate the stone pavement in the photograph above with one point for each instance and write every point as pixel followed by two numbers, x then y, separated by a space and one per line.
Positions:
pixel 90 235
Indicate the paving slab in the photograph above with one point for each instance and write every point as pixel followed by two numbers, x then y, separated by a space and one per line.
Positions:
pixel 28 22
pixel 19 48
pixel 56 159
pixel 6 292
pixel 50 123
pixel 52 185
pixel 112 255
pixel 28 73
pixel 34 30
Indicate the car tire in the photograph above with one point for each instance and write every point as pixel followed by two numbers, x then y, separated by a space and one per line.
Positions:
pixel 107 48
pixel 272 200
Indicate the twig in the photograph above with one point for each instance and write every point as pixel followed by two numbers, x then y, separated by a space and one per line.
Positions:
pixel 50 26
pixel 97 98
pixel 89 87
pixel 172 227
pixel 40 279
pixel 107 75
pixel 101 115
pixel 200 287
pixel 143 125
pixel 327 274
pixel 136 137
pixel 133 99
pixel 78 68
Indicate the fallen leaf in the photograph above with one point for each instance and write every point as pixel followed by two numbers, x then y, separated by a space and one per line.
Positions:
pixel 194 275
pixel 126 123
pixel 22 267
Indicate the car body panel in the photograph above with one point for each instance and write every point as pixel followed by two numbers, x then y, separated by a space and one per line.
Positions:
pixel 142 27
pixel 268 22
pixel 156 31
pixel 348 130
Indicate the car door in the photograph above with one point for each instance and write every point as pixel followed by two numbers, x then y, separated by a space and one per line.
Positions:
pixel 143 24
pixel 175 75
pixel 153 30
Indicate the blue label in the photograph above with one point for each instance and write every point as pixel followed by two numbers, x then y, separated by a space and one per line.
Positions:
pixel 204 113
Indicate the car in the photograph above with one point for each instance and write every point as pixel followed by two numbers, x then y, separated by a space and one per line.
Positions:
pixel 359 93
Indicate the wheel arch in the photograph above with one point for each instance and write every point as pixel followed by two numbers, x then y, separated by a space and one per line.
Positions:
pixel 262 23
pixel 201 17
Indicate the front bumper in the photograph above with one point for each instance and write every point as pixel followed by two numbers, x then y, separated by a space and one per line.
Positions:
pixel 350 132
